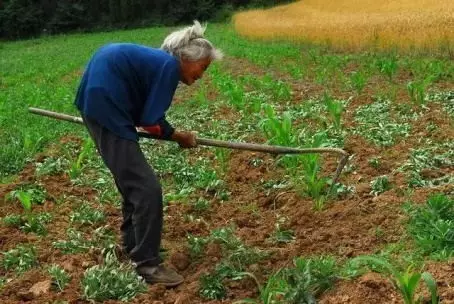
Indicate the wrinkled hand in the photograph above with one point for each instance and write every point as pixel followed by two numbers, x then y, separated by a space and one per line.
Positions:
pixel 185 139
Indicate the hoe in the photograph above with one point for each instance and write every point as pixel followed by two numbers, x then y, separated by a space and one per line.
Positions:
pixel 227 144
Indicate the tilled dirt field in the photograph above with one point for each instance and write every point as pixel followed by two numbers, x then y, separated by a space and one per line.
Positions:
pixel 346 227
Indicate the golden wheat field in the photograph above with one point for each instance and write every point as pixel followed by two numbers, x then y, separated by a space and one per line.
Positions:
pixel 356 24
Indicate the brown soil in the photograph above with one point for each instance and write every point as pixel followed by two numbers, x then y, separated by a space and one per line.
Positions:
pixel 347 227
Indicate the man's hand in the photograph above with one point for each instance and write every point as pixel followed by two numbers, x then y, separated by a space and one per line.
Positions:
pixel 185 139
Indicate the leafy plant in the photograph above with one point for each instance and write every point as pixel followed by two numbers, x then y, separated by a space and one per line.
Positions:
pixel 35 223
pixel 374 162
pixel 405 282
pixel 14 220
pixel 86 215
pixel 112 280
pixel 196 245
pixel 278 131
pixel 282 235
pixel 51 165
pixel 76 243
pixel 358 81
pixel 201 205
pixel 380 185
pixel 222 156
pixel 211 285
pixel 273 291
pixel 335 109
pixel 76 166
pixel 432 226
pixel 428 158
pixel 59 277
pixel 20 259
pixel 375 123
pixel 388 66
pixel 28 195
pixel 417 91
pixel 310 277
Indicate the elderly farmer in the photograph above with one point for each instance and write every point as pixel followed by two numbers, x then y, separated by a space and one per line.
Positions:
pixel 127 86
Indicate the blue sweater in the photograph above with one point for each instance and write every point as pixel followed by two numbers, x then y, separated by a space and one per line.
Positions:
pixel 127 85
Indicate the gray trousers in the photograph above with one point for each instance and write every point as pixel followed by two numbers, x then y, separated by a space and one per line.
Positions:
pixel 141 192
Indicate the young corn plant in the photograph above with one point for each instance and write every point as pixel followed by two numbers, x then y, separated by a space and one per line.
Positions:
pixel 388 66
pixel 59 277
pixel 358 81
pixel 406 282
pixel 417 91
pixel 272 293
pixel 310 277
pixel 29 222
pixel 222 156
pixel 76 167
pixel 28 195
pixel 314 184
pixel 277 130
pixel 335 109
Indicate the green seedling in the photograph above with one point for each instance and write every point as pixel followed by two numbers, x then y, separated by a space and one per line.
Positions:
pixel 335 109
pixel 76 166
pixel 19 259
pixel 405 282
pixel 283 236
pixel 28 195
pixel 380 184
pixel 432 227
pixel 59 277
pixel 388 66
pixel 358 81
pixel 111 281
pixel 211 284
pixel 201 205
pixel 273 291
pixel 86 215
pixel 417 91
pixel 278 131
pixel 76 243
pixel 51 166
pixel 310 277
pixel 29 223
pixel 374 162
pixel 196 245
pixel 222 156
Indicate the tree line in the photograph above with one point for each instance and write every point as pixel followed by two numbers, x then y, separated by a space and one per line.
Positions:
pixel 30 18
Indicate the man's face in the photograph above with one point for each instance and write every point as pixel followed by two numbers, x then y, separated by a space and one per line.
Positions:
pixel 193 70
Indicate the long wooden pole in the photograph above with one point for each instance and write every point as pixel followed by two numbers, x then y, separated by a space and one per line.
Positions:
pixel 224 144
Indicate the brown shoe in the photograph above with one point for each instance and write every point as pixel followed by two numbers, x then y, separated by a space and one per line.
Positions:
pixel 160 274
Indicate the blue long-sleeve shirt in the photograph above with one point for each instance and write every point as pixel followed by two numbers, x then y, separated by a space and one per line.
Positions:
pixel 127 85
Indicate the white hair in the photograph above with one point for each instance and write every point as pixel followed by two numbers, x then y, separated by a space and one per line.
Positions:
pixel 190 44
